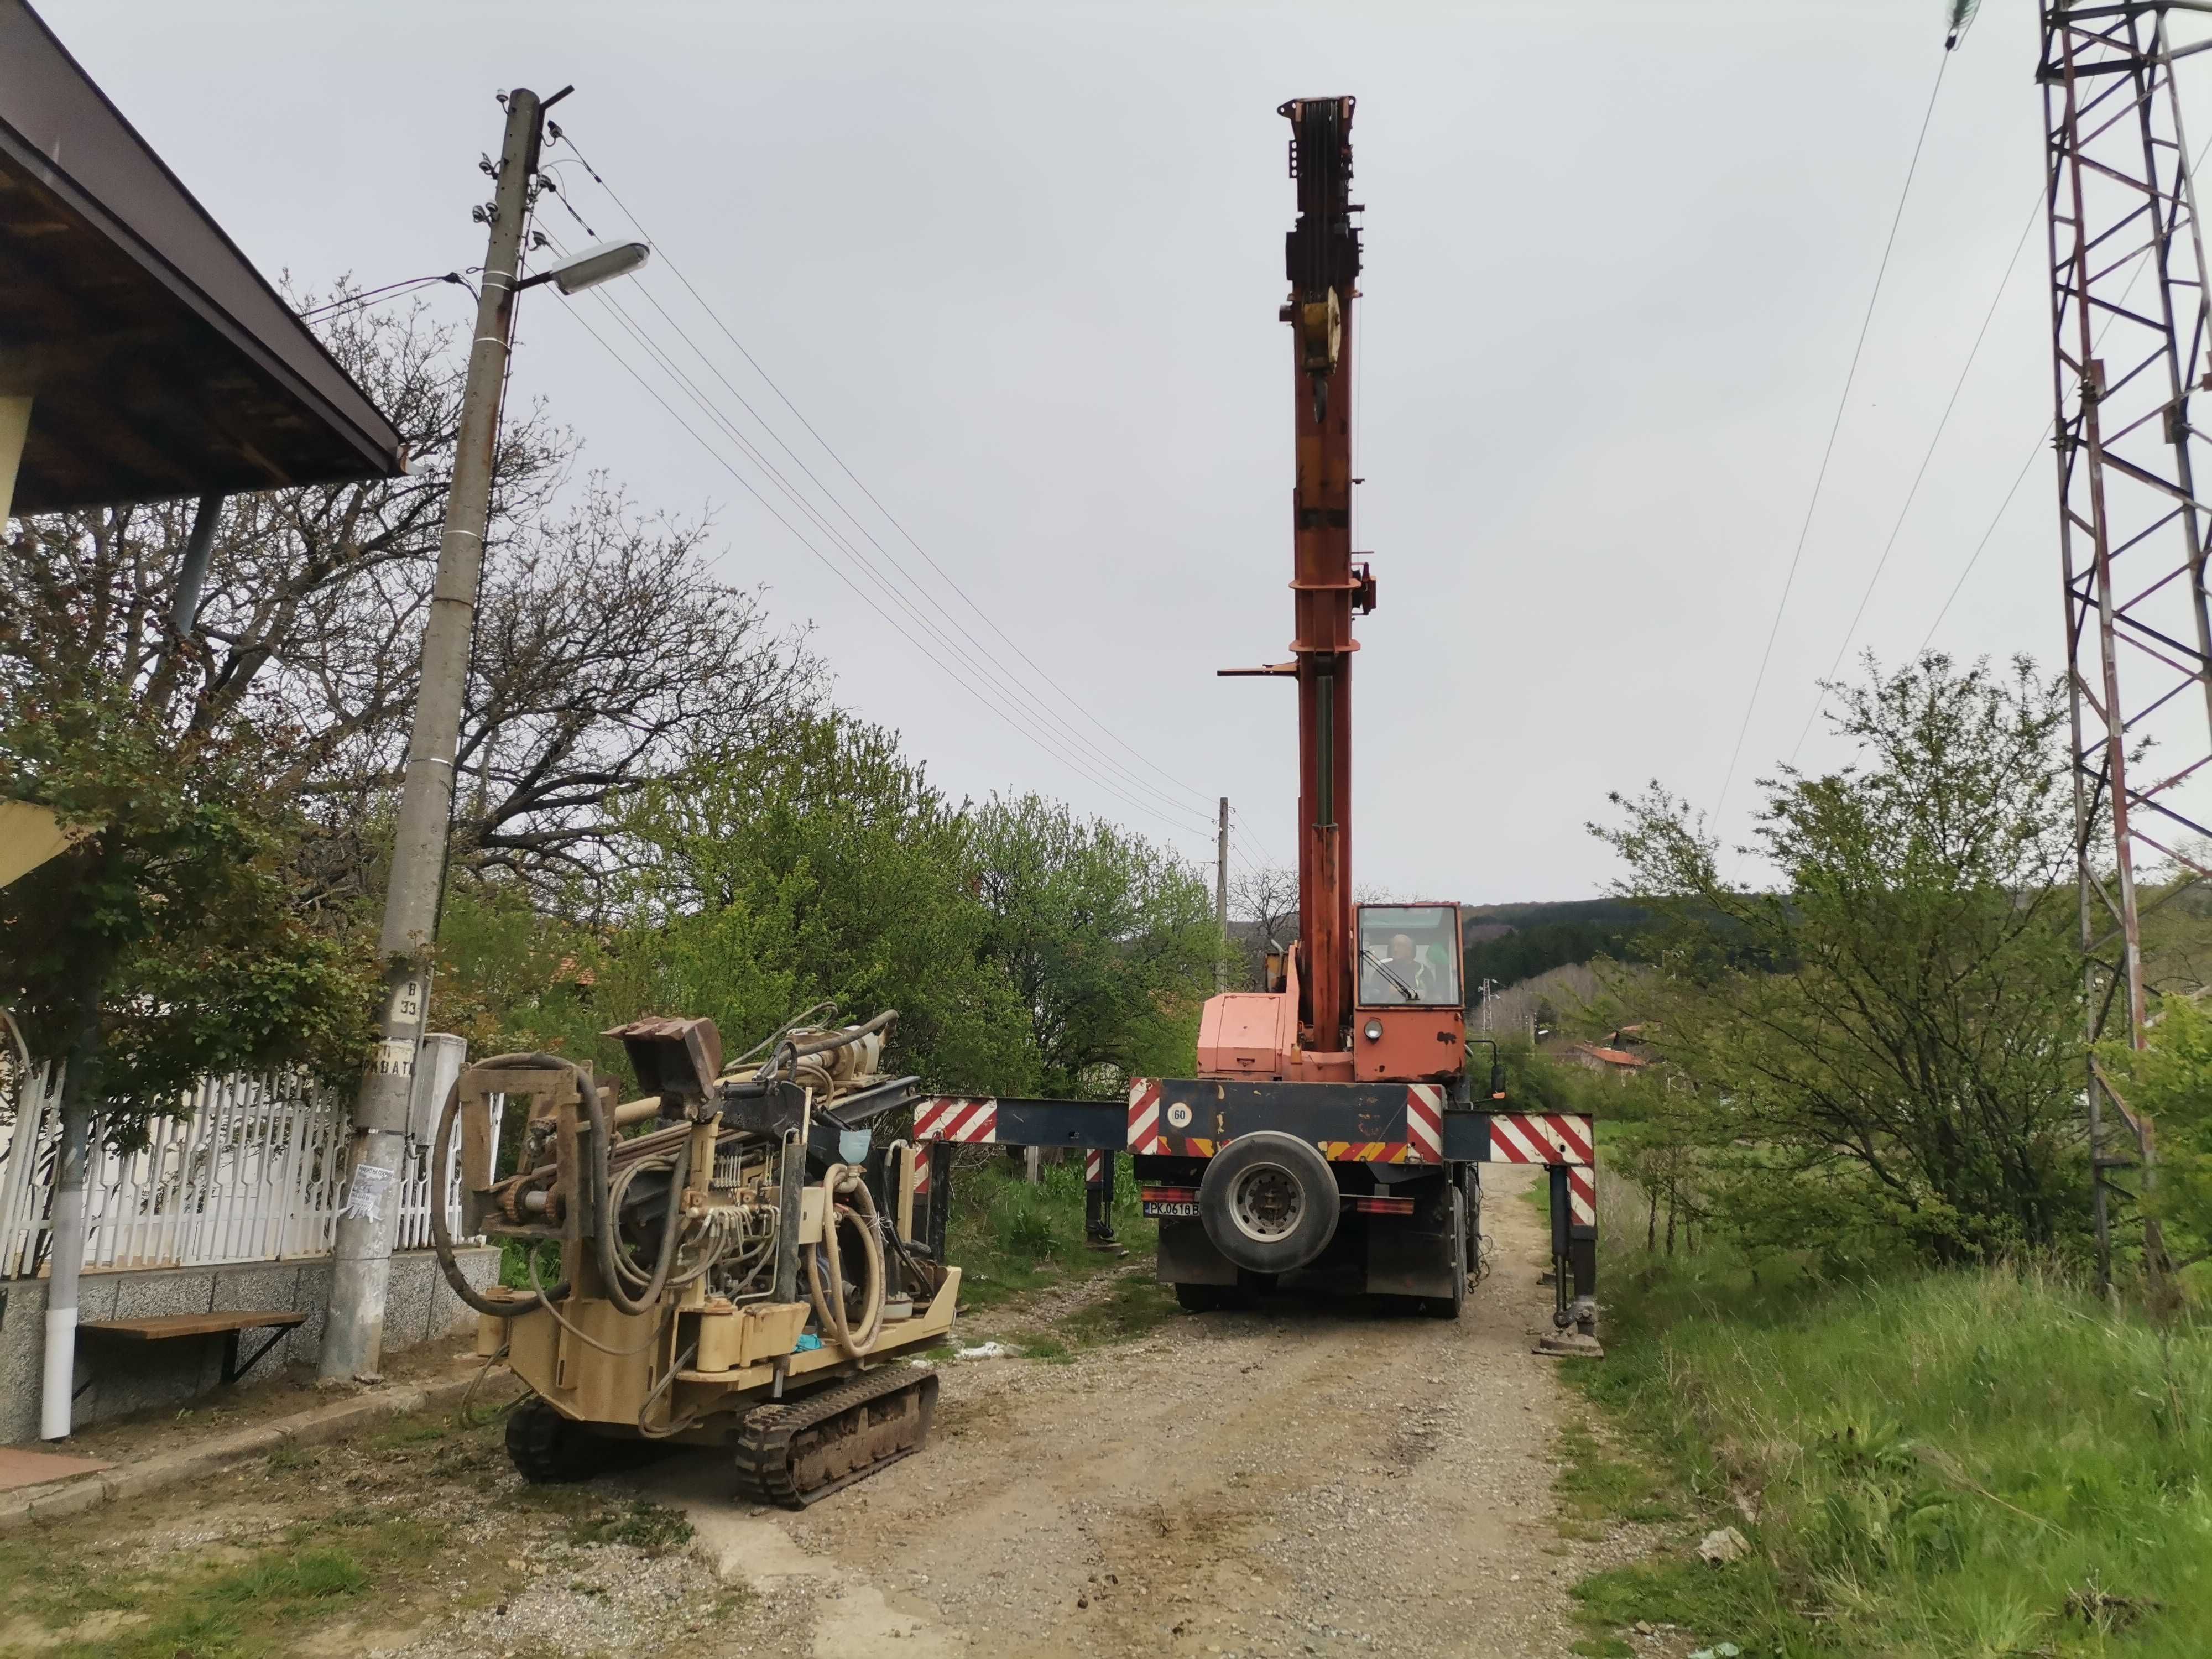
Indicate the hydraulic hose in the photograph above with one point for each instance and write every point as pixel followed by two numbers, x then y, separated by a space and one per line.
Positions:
pixel 607 1223
pixel 828 1307
pixel 441 1232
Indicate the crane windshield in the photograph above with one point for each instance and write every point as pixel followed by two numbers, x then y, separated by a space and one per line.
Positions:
pixel 1409 954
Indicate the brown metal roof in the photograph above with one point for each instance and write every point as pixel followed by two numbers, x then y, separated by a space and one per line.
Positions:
pixel 158 361
pixel 1612 1056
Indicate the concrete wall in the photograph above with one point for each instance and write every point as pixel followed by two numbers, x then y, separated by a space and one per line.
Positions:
pixel 128 1376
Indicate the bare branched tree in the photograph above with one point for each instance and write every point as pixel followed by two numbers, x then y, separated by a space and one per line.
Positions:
pixel 607 650
pixel 1265 901
pixel 608 656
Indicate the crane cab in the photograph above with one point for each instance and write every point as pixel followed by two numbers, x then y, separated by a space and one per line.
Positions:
pixel 1409 1020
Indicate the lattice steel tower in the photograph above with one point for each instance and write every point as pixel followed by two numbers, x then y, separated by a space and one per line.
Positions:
pixel 2129 350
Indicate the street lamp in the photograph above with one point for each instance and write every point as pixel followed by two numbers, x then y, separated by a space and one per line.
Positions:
pixel 592 267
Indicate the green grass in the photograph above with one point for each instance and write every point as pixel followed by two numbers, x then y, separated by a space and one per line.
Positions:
pixel 1597 1482
pixel 1008 1237
pixel 1971 1464
pixel 253 1608
pixel 285 1581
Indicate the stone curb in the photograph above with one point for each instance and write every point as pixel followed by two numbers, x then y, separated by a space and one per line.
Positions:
pixel 309 1428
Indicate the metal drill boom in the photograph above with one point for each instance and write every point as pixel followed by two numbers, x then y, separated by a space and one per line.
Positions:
pixel 1321 254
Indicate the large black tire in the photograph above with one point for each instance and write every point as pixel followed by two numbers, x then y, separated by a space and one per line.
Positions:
pixel 1268 1202
pixel 549 1449
pixel 1449 1307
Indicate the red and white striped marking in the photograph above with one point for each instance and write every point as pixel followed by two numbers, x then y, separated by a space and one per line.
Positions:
pixel 945 1117
pixel 1424 1122
pixel 1582 1195
pixel 921 1174
pixel 1094 1167
pixel 1144 1135
pixel 1545 1138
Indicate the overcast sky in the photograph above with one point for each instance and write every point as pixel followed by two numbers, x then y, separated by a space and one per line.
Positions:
pixel 1019 266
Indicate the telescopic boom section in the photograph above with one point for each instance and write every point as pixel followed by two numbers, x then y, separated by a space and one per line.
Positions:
pixel 1324 260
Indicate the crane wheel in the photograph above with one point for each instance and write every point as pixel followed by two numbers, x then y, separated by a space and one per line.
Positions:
pixel 1449 1307
pixel 1268 1202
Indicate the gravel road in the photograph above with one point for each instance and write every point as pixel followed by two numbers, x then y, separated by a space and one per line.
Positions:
pixel 1301 1479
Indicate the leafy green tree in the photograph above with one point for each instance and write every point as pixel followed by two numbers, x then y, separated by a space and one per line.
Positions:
pixel 2172 1082
pixel 1884 1048
pixel 166 945
pixel 820 866
pixel 1108 941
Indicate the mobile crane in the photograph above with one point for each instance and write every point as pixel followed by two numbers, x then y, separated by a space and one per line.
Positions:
pixel 1331 1137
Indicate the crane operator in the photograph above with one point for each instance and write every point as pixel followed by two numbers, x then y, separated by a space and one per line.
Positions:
pixel 1403 978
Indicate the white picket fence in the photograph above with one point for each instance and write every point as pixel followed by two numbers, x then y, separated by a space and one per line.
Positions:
pixel 248 1169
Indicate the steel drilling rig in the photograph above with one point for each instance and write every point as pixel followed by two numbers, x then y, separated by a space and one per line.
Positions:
pixel 727 1275
pixel 1332 1136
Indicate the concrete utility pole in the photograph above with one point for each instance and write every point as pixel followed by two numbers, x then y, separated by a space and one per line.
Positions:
pixel 353 1337
pixel 1221 894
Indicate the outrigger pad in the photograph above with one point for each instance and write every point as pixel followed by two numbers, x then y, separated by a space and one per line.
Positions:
pixel 1570 1344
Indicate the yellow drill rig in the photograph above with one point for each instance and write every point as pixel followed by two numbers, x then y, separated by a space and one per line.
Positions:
pixel 736 1260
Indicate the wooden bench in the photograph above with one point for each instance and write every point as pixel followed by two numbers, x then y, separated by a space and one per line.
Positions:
pixel 227 1324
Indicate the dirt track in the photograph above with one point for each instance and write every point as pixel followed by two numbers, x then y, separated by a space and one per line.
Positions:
pixel 1300 1479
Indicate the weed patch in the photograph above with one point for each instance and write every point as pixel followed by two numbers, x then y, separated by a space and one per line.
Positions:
pixel 1137 1305
pixel 654 1529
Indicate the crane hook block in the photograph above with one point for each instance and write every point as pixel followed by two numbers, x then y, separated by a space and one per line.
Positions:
pixel 1321 333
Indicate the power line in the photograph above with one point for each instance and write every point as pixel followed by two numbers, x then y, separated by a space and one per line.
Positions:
pixel 858 590
pixel 1912 495
pixel 378 295
pixel 714 317
pixel 1002 683
pixel 984 660
pixel 1836 426
pixel 2019 479
pixel 1237 826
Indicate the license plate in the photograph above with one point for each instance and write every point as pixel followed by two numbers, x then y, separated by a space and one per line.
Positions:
pixel 1154 1208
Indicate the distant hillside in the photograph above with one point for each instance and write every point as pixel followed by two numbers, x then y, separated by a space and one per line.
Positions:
pixel 1510 942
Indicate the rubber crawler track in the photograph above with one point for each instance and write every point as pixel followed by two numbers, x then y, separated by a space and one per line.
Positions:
pixel 765 1459
pixel 548 1449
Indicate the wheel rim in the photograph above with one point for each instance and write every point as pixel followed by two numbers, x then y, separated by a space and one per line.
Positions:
pixel 1266 1203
